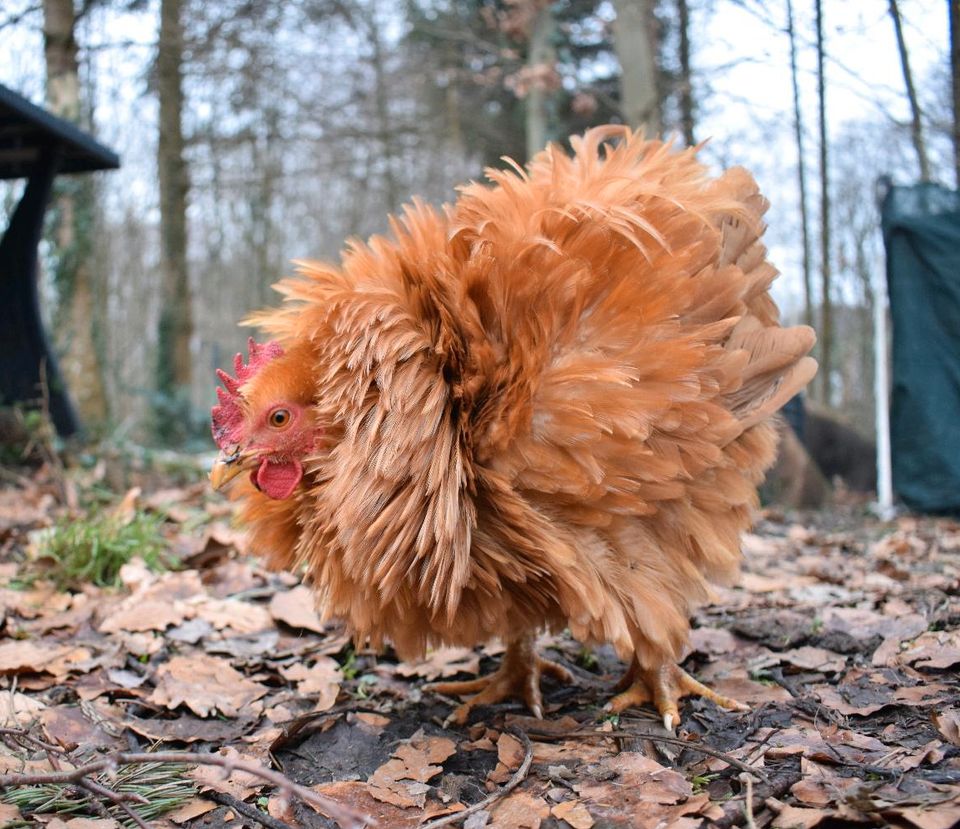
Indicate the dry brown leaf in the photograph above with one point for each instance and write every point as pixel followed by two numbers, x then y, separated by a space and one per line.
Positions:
pixel 323 679
pixel 402 780
pixel 18 710
pixel 442 662
pixel 941 816
pixel 374 723
pixel 239 784
pixel 297 608
pixel 24 656
pixel 191 809
pixel 205 684
pixel 861 624
pixel 796 817
pixel 242 617
pixel 814 659
pixel 948 724
pixel 8 814
pixel 938 649
pixel 574 813
pixel 70 726
pixel 144 615
pixel 712 641
pixel 519 810
pixel 83 823
pixel 356 795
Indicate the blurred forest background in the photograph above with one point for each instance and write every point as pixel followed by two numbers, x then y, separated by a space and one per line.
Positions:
pixel 252 133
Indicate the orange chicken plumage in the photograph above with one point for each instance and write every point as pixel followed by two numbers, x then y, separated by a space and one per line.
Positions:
pixel 545 407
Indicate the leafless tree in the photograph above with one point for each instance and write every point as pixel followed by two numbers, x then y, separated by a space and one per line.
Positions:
pixel 826 300
pixel 916 127
pixel 176 322
pixel 80 313
pixel 801 170
pixel 635 41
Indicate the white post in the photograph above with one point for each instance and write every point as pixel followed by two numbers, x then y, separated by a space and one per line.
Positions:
pixel 884 505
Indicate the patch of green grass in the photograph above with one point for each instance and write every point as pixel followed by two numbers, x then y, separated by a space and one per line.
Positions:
pixel 92 550
pixel 701 781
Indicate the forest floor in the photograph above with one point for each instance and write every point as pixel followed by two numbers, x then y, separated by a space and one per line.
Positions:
pixel 843 638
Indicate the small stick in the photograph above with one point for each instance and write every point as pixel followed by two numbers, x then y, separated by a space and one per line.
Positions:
pixel 518 777
pixel 673 741
pixel 748 806
pixel 248 811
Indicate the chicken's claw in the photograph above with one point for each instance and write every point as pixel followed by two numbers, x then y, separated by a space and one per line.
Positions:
pixel 664 686
pixel 517 677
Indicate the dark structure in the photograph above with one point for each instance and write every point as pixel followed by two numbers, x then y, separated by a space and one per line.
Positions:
pixel 37 146
pixel 921 230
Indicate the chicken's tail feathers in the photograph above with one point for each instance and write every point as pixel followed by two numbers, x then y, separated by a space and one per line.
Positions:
pixel 777 367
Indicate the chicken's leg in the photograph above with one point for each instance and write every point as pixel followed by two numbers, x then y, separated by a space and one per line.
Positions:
pixel 664 686
pixel 517 677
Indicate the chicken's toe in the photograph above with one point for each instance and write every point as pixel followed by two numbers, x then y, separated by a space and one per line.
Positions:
pixel 518 677
pixel 664 686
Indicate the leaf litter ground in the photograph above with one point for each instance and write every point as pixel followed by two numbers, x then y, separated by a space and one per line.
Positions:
pixel 842 637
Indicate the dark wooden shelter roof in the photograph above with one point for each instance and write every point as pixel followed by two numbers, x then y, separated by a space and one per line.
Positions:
pixel 25 129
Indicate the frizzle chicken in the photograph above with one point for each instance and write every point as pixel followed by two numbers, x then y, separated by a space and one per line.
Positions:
pixel 546 406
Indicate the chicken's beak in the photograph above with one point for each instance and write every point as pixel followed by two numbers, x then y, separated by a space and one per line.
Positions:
pixel 229 465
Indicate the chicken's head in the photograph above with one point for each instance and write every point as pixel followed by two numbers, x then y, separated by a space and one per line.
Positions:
pixel 265 422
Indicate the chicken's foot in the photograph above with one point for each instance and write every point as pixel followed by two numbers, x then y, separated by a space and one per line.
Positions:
pixel 664 686
pixel 517 677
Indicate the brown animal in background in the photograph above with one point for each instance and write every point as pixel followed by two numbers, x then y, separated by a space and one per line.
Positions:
pixel 546 407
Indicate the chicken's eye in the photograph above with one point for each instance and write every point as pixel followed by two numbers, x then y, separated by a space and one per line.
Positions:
pixel 279 418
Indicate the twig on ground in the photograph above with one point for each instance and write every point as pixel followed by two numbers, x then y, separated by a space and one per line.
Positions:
pixel 518 777
pixel 246 810
pixel 116 798
pixel 748 801
pixel 344 815
pixel 663 738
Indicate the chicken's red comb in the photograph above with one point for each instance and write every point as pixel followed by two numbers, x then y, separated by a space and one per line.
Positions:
pixel 227 417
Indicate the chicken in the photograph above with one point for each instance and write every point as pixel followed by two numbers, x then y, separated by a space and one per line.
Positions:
pixel 545 407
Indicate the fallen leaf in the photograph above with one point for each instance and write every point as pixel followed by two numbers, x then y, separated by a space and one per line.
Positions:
pixel 402 780
pixel 814 659
pixel 190 810
pixel 18 710
pixel 519 810
pixel 144 615
pixel 205 684
pixel 356 795
pixel 948 724
pixel 797 817
pixel 239 784
pixel 442 662
pixel 322 679
pixel 242 617
pixel 574 813
pixel 297 608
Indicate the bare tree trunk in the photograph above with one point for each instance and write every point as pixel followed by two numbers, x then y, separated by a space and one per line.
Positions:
pixel 826 304
pixel 176 324
pixel 916 127
pixel 382 103
pixel 541 54
pixel 686 77
pixel 80 312
pixel 801 171
pixel 955 76
pixel 635 44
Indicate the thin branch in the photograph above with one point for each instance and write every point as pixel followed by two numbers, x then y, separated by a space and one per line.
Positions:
pixel 663 738
pixel 246 810
pixel 343 815
pixel 518 777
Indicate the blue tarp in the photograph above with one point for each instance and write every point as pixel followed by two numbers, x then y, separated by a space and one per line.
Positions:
pixel 921 232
